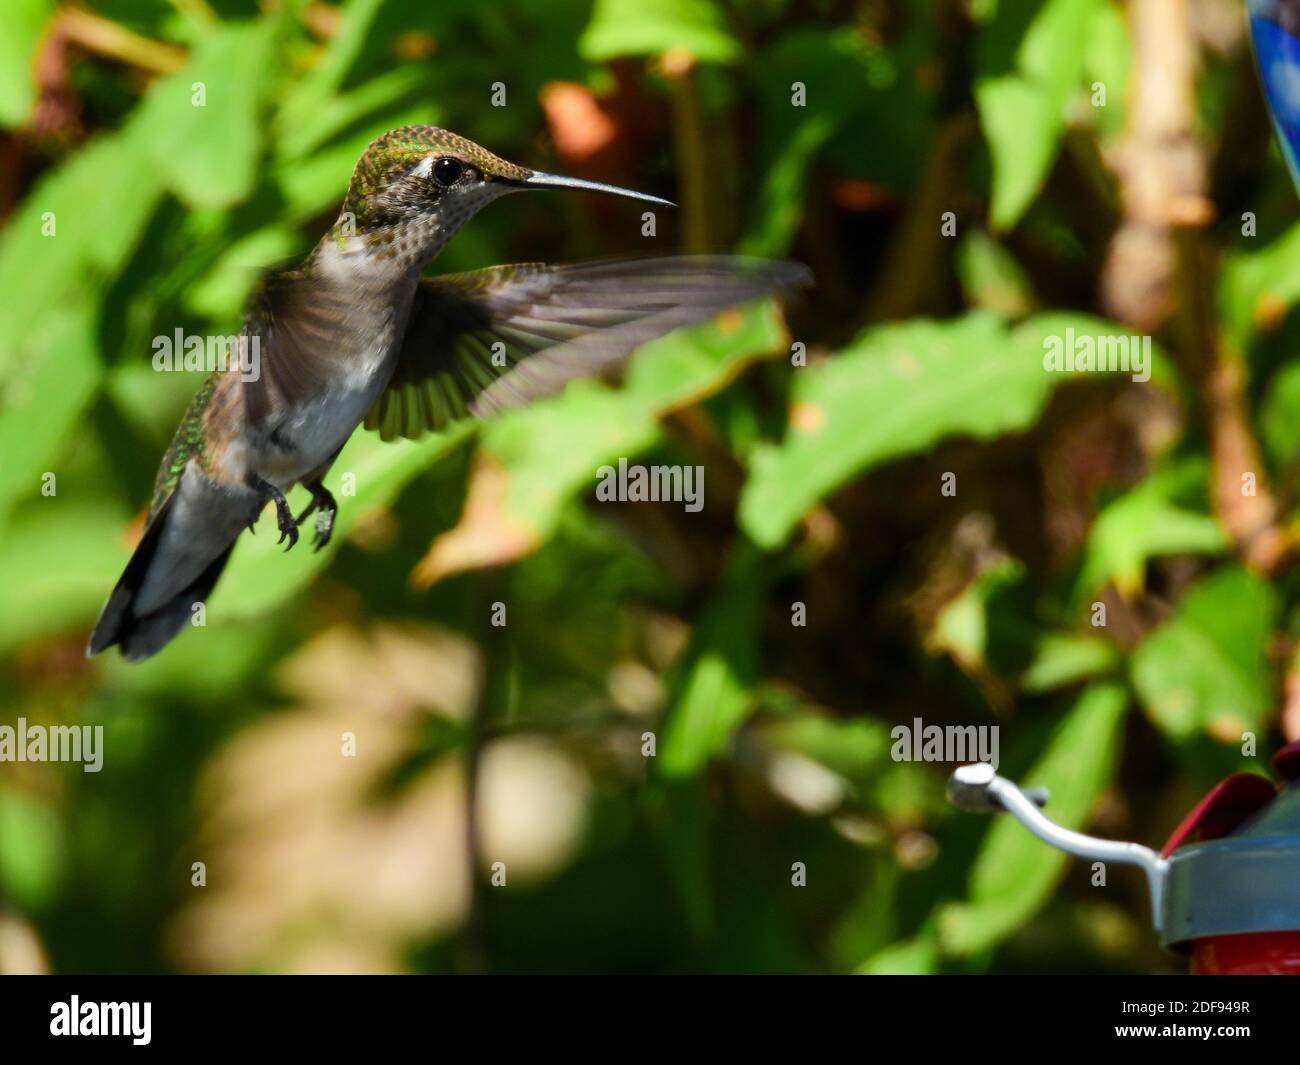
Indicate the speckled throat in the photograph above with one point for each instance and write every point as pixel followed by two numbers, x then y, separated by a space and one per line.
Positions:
pixel 409 244
pixel 382 256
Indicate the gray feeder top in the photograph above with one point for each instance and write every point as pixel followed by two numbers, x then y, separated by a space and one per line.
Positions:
pixel 1248 881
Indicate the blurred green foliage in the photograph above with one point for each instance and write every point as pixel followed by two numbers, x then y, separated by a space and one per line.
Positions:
pixel 950 177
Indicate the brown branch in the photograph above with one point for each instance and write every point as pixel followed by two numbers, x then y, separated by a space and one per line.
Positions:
pixel 1161 267
pixel 1160 165
pixel 914 268
pixel 679 67
pixel 103 37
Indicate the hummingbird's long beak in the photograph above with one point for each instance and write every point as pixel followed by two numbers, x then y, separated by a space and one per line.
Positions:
pixel 539 180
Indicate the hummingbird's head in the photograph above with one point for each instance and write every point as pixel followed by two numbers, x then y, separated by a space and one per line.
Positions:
pixel 431 181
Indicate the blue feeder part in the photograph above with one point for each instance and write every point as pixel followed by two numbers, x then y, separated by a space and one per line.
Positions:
pixel 1275 35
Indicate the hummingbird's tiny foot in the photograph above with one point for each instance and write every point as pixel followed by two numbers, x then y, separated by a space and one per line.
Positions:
pixel 283 515
pixel 322 500
pixel 324 527
pixel 288 527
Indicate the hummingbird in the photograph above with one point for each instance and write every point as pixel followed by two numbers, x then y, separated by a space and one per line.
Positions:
pixel 357 334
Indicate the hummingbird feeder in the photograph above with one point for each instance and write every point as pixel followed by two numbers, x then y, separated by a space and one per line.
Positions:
pixel 1225 888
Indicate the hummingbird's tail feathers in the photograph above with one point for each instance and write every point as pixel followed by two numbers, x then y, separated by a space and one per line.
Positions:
pixel 143 626
pixel 480 342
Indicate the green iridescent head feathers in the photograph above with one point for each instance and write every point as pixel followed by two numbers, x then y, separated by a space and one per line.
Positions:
pixel 395 153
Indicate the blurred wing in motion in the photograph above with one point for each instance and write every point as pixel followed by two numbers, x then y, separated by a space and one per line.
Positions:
pixel 484 341
pixel 1275 35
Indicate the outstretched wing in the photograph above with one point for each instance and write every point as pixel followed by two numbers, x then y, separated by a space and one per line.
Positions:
pixel 296 322
pixel 483 341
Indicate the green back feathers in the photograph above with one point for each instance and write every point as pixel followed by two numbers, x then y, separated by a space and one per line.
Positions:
pixel 185 445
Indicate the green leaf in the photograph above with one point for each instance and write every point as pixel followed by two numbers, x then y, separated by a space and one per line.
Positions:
pixel 1108 60
pixel 222 293
pixel 552 450
pixel 313 101
pixel 1206 668
pixel 851 748
pixel 31 849
pixel 633 27
pixel 1064 658
pixel 681 813
pixel 988 624
pixel 1027 67
pixel 204 126
pixel 149 401
pixel 779 209
pixel 862 92
pixel 77 226
pixel 1024 131
pixel 1050 52
pixel 1014 871
pixel 715 694
pixel 896 390
pixel 334 115
pixel 58 374
pixel 1279 415
pixel 918 956
pixel 61 557
pixel 1258 283
pixel 210 664
pixel 991 277
pixel 1146 522
pixel 24 22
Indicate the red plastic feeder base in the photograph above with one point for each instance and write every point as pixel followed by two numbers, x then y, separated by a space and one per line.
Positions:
pixel 1252 953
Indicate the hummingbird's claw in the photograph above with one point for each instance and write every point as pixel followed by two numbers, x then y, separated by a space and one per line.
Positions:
pixel 324 528
pixel 323 501
pixel 283 515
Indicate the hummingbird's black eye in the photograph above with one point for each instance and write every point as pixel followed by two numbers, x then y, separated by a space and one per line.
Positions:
pixel 446 170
